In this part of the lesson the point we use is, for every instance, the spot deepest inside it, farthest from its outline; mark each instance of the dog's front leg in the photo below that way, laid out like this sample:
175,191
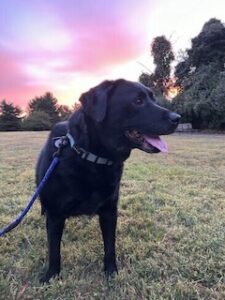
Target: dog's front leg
108,221
54,228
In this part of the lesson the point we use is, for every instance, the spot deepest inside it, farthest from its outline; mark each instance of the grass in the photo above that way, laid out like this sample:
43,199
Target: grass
171,229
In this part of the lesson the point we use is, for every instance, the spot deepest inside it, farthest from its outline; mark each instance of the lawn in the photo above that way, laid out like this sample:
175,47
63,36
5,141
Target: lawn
171,229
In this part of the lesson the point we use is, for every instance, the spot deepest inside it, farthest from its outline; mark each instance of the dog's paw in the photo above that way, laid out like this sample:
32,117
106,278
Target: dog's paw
47,276
111,271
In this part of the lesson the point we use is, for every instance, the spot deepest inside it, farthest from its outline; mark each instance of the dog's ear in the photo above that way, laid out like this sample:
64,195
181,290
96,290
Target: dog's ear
95,101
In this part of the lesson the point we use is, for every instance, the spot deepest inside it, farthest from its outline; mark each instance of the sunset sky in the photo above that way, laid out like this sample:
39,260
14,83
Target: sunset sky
68,46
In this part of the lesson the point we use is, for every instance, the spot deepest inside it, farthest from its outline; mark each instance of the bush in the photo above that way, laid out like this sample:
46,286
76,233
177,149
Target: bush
203,100
38,120
164,102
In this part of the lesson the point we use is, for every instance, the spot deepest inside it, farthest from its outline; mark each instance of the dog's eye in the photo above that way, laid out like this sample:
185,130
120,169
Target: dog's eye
139,101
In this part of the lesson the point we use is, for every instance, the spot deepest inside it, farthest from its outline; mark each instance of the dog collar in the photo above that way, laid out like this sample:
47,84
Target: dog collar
81,152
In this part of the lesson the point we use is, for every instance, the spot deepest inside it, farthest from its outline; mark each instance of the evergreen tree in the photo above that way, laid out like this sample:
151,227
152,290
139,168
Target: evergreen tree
46,103
9,116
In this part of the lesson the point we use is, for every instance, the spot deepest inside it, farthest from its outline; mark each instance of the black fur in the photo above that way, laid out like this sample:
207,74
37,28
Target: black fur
80,187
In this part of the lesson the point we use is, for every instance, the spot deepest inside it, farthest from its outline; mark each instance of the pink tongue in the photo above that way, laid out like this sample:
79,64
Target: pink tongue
157,143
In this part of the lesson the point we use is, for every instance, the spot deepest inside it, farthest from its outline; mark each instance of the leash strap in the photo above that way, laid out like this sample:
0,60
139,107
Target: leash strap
23,213
60,143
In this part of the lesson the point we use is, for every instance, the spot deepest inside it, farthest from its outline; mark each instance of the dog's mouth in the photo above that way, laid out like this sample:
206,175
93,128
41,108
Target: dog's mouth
145,142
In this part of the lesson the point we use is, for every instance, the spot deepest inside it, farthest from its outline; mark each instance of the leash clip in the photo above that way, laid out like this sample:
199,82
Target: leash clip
60,143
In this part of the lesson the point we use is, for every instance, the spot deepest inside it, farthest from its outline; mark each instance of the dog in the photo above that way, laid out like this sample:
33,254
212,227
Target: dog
114,118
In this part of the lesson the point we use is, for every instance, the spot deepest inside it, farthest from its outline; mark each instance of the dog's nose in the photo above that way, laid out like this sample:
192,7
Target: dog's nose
174,117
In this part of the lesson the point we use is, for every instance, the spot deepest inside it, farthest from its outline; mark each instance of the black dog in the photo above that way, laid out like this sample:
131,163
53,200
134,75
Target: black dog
115,117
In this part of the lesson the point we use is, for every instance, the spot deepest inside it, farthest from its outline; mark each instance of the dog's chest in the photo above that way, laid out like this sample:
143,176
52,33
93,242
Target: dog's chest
88,192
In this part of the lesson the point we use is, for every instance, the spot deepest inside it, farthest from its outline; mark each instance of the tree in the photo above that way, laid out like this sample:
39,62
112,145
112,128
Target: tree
203,101
209,46
162,53
64,112
46,103
9,116
162,101
206,48
148,80
201,74
76,106
217,97
37,120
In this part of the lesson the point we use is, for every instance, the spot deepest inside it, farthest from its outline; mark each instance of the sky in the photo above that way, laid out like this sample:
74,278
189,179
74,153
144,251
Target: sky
69,46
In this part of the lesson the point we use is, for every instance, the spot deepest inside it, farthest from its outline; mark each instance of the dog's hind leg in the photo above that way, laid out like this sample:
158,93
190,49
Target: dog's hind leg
54,228
108,221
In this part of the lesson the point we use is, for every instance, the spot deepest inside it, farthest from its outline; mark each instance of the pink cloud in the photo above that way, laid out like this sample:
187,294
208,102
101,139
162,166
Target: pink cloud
14,81
100,48
11,73
42,45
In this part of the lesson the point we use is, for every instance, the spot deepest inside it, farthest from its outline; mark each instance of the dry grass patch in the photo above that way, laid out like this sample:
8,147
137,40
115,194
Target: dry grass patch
171,229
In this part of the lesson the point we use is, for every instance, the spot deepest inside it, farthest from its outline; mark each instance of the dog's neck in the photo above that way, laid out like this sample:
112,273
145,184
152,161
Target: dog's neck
86,134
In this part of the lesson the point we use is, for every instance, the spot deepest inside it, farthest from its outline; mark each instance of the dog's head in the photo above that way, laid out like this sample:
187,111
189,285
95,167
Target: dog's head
126,116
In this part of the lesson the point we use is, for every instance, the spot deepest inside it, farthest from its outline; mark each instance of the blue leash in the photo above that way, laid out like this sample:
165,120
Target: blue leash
23,213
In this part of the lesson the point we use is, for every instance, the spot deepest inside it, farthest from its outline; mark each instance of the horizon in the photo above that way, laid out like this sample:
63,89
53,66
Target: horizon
67,47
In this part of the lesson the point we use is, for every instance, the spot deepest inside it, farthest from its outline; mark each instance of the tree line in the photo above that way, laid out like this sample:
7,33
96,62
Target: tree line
198,80
41,114
199,77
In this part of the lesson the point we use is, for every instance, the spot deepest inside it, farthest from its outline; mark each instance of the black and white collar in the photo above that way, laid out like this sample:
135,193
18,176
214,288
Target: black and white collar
81,152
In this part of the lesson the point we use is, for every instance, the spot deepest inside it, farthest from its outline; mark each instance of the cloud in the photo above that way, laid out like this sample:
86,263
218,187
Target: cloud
45,44
14,83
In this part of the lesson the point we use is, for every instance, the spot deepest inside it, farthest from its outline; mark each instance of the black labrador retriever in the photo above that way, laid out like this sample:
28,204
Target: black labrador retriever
115,117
